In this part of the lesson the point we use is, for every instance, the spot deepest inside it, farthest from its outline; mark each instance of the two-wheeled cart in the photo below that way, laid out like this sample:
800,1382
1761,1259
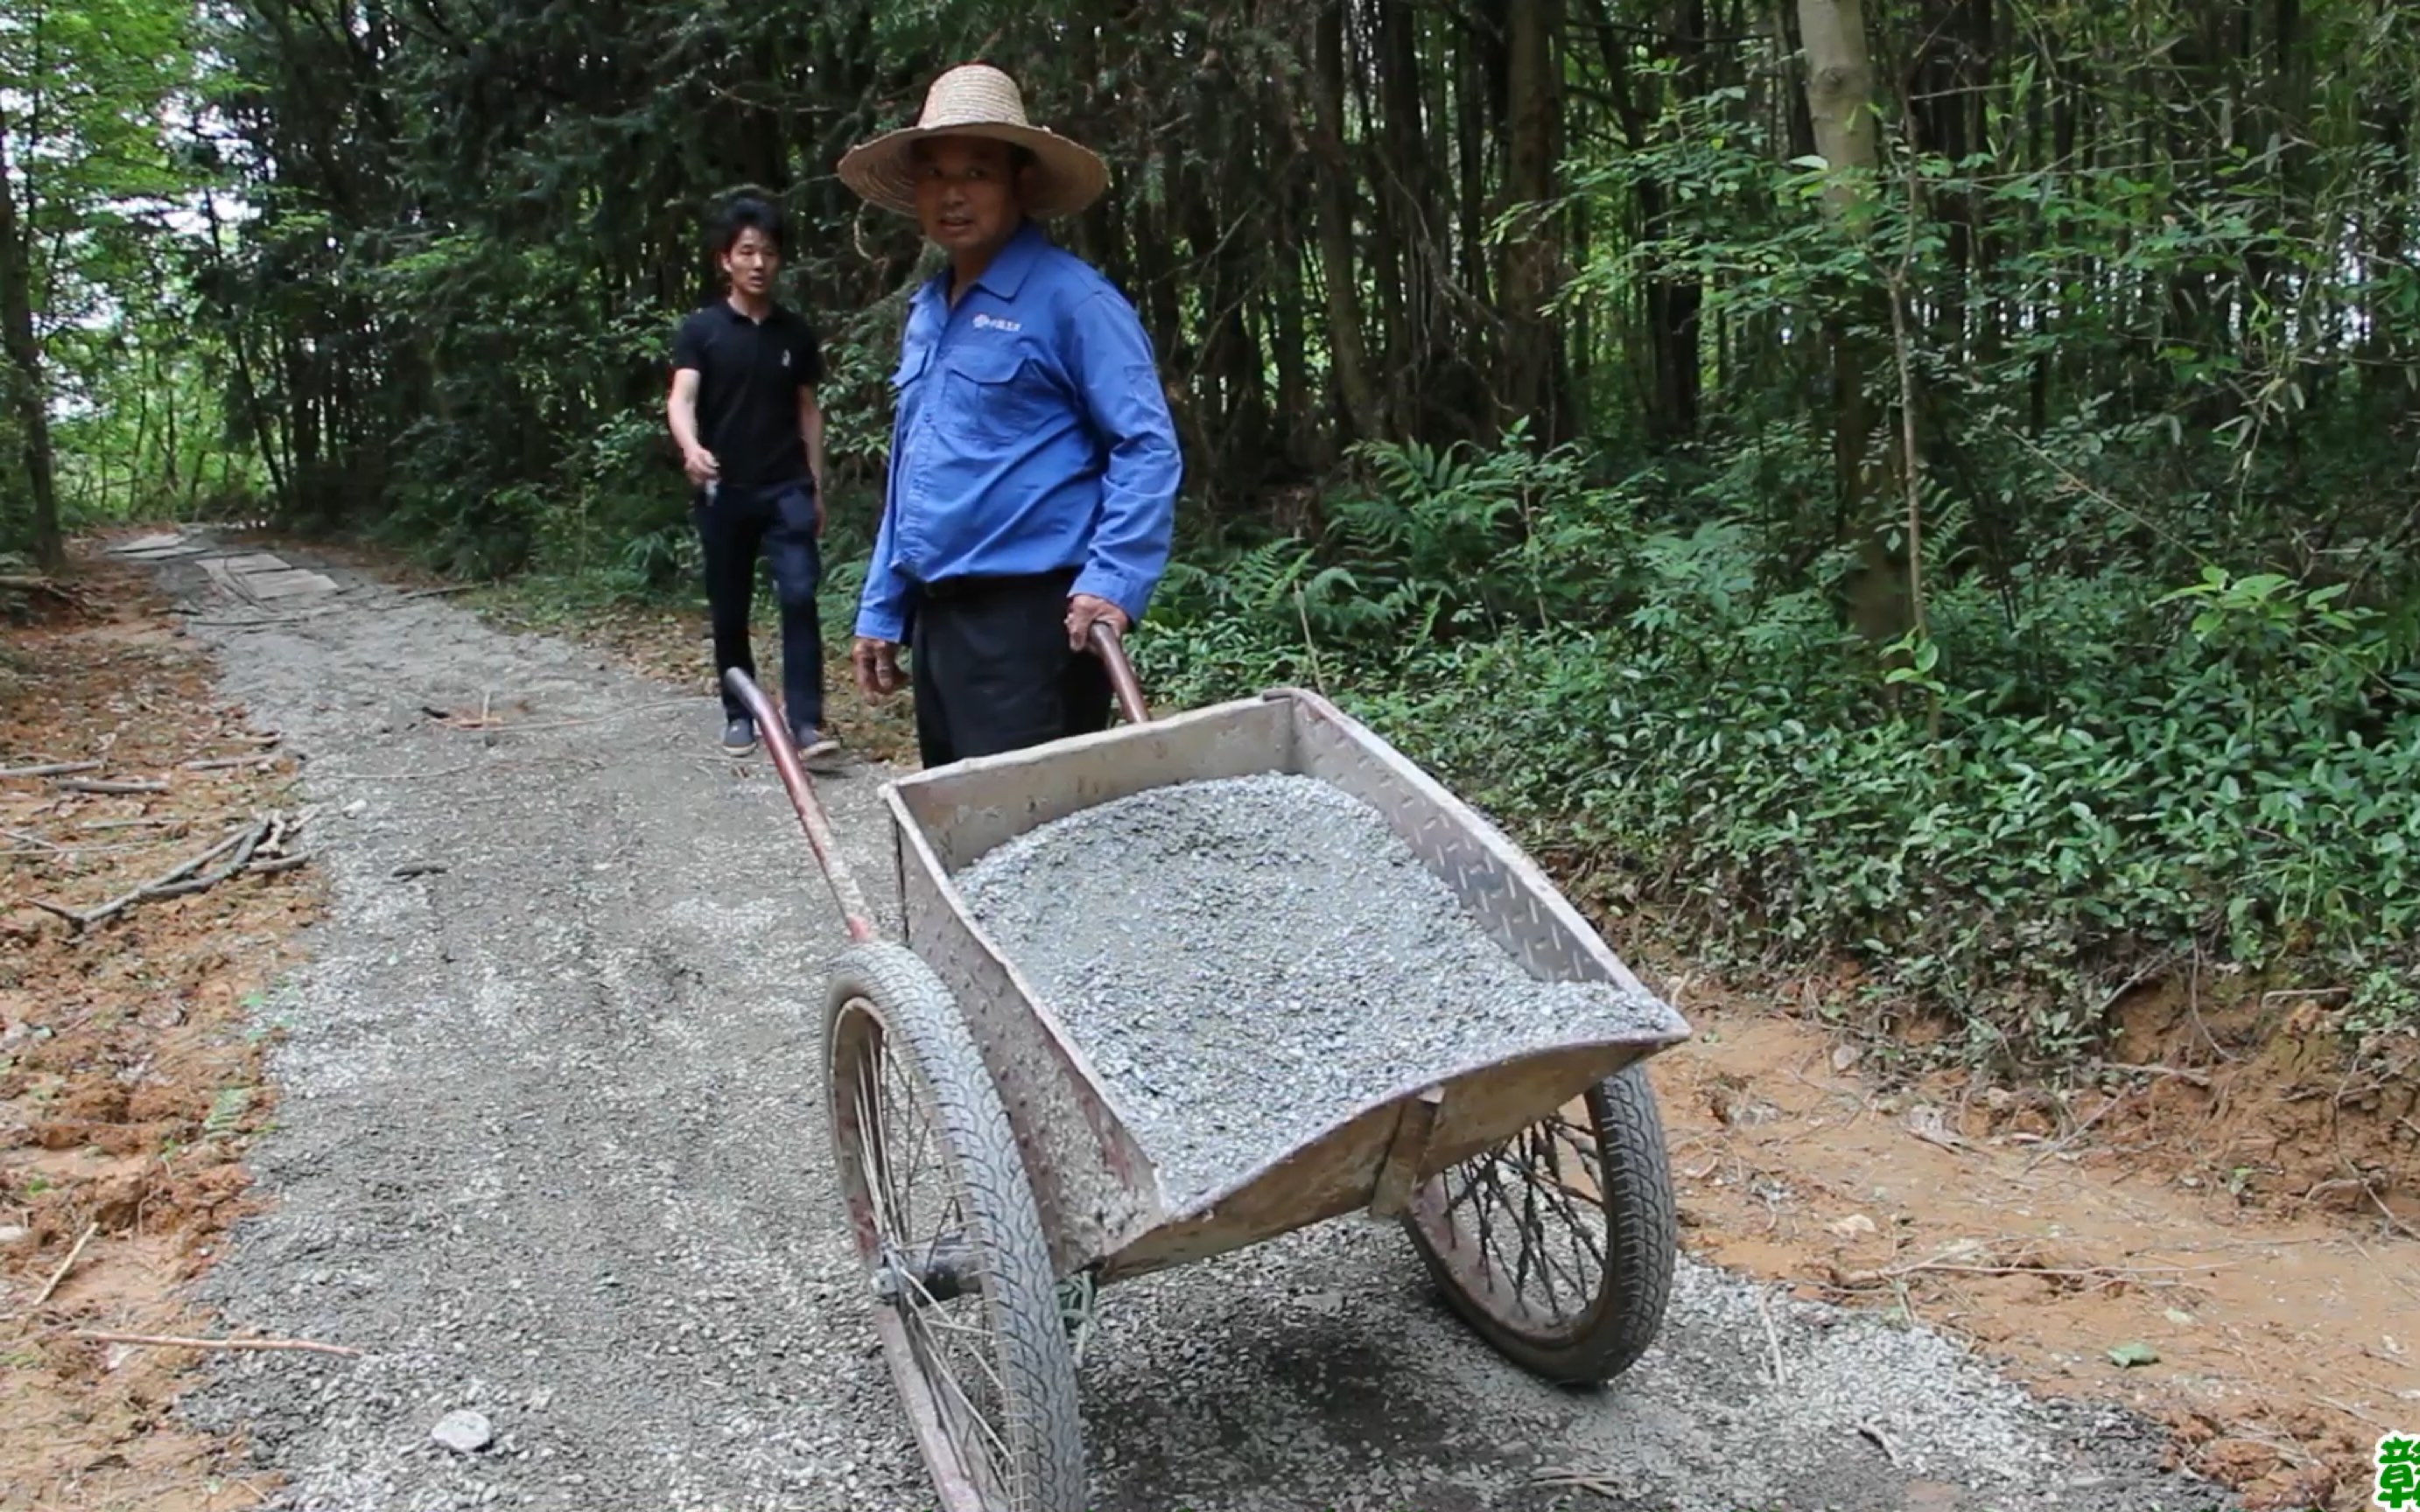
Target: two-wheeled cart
991,1184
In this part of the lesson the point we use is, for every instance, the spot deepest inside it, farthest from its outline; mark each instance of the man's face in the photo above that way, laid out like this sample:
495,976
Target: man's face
752,262
966,192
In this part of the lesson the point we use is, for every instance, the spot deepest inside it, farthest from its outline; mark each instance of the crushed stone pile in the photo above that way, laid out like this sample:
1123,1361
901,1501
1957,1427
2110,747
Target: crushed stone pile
1248,961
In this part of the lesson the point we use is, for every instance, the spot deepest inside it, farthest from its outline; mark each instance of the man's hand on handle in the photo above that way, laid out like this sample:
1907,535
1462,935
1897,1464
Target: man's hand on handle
877,661
701,466
877,666
1082,610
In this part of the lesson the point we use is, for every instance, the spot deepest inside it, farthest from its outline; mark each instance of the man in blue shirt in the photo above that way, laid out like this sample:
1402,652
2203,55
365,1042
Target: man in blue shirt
1034,466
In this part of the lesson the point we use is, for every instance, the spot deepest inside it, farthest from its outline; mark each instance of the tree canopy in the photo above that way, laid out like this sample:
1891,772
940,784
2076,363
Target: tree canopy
1927,478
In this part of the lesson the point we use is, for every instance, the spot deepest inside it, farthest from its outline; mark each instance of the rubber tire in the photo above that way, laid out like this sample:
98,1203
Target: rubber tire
1642,1248
1037,1370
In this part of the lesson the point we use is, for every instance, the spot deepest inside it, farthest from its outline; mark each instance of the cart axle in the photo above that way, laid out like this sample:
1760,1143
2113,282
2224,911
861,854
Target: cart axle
947,1269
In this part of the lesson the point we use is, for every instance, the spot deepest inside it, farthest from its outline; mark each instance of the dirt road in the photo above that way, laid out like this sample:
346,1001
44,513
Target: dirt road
550,1149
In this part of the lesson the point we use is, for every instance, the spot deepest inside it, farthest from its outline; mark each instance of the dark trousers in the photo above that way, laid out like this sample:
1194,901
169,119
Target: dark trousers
781,522
991,672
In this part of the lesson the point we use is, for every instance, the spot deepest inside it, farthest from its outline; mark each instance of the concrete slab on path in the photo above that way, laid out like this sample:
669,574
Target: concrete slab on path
161,546
265,577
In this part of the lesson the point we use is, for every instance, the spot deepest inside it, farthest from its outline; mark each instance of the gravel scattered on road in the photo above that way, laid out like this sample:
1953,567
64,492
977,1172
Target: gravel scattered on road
550,1148
1251,961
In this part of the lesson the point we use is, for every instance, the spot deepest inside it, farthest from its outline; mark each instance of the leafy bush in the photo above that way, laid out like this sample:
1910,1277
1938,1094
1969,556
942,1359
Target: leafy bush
2053,790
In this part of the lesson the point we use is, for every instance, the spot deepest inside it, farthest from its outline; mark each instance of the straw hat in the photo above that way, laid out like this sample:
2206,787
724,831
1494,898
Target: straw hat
977,100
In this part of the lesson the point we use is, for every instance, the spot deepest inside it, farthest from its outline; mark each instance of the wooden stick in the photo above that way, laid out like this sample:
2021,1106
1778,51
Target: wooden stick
251,842
73,854
284,863
171,1341
33,839
2348,1406
86,784
2405,1229
2109,1272
179,872
2200,1078
1602,1482
2078,1132
65,1266
1881,1441
1772,1340
52,769
221,763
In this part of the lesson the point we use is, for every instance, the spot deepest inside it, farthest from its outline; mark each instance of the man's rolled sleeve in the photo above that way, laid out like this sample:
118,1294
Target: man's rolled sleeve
1123,398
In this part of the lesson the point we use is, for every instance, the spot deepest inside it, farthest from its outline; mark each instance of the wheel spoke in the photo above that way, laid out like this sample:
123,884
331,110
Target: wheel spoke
1539,1252
1578,1230
915,1198
1529,1228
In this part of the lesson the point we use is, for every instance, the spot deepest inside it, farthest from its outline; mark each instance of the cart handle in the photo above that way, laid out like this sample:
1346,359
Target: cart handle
816,822
1111,647
855,915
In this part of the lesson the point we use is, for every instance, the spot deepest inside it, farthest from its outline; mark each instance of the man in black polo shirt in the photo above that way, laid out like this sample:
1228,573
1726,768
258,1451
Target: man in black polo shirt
752,439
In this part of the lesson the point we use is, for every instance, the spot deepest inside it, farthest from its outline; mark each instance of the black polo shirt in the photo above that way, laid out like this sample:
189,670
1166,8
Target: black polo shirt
749,378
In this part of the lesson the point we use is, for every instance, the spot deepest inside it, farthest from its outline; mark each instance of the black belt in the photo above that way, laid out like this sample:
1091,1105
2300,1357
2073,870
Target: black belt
951,590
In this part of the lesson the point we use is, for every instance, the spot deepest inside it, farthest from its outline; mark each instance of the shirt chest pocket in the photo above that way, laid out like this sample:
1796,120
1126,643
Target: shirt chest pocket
997,393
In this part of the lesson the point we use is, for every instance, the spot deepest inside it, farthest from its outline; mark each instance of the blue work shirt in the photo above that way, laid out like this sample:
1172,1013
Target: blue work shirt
1031,435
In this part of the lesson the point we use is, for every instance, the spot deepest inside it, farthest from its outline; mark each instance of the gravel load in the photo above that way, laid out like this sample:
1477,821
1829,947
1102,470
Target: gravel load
1250,961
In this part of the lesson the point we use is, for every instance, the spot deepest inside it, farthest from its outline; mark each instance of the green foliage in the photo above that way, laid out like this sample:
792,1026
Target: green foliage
2124,323
90,179
2118,773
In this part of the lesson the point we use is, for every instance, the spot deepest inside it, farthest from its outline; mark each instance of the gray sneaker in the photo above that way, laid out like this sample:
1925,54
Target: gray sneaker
740,736
817,751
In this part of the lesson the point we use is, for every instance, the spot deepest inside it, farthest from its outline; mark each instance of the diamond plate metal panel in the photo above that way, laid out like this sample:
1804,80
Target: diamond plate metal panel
1511,899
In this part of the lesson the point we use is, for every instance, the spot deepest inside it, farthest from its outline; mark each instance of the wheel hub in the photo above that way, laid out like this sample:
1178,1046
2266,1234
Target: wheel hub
942,1271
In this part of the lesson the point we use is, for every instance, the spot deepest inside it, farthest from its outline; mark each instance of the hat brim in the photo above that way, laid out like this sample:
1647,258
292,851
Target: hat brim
1067,177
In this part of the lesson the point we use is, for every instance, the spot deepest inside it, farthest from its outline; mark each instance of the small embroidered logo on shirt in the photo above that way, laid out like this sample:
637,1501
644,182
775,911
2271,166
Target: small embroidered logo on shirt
993,322
785,359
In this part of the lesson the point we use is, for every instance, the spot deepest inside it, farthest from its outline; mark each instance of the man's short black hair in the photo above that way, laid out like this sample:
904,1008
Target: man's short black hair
745,213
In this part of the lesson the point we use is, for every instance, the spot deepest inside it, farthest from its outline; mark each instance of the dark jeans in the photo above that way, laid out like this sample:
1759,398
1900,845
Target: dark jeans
990,669
780,521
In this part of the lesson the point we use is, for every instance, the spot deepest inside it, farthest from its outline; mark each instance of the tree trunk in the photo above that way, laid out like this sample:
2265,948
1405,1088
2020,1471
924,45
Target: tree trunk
1839,94
28,395
1533,383
1674,300
1416,346
1349,356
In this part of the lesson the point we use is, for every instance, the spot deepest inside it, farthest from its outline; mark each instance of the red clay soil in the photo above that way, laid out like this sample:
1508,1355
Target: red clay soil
2243,1205
130,1082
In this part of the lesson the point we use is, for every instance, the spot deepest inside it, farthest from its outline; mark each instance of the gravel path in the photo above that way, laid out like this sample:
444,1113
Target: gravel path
550,1148
1251,962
